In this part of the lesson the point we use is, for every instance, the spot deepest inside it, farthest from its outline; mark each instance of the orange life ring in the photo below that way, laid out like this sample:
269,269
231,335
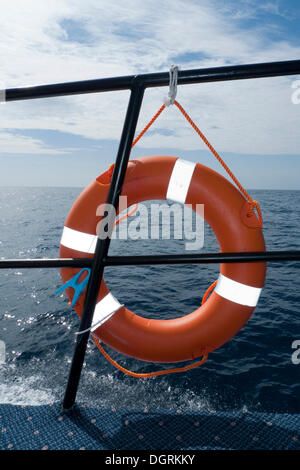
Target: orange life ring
239,285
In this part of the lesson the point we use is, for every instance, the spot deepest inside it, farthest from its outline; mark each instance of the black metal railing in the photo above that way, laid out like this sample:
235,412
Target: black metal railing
137,85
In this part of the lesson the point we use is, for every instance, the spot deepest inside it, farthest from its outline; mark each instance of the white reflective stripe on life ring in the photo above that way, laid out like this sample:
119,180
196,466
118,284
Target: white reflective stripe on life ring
79,241
237,292
104,310
180,180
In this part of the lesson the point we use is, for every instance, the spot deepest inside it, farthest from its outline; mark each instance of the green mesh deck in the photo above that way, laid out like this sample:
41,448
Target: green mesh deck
46,427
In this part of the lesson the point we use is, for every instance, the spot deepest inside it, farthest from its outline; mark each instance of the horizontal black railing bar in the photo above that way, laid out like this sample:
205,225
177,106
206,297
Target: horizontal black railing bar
46,263
203,258
213,74
198,258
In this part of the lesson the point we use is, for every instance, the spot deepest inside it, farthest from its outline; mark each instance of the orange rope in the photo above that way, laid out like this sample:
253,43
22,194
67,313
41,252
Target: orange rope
208,291
128,214
149,374
254,204
149,125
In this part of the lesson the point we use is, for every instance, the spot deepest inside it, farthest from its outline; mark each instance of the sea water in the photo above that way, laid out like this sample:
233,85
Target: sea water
253,371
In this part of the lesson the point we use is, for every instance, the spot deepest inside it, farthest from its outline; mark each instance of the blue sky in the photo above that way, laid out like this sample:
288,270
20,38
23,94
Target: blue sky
69,141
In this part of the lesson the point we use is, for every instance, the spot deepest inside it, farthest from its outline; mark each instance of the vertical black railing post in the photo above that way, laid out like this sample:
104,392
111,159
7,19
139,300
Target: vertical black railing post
102,246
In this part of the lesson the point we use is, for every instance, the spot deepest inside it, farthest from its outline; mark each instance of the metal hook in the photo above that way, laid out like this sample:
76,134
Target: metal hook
173,73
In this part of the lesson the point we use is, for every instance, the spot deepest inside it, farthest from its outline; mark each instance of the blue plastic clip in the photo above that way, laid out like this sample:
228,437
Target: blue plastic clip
77,286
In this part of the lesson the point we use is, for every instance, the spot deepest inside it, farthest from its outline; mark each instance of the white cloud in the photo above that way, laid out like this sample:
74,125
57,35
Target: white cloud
12,142
72,40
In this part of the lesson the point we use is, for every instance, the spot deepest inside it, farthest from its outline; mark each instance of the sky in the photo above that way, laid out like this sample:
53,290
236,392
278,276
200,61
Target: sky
68,141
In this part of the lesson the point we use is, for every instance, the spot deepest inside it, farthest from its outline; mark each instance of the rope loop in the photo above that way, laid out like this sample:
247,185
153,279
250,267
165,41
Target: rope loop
149,374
